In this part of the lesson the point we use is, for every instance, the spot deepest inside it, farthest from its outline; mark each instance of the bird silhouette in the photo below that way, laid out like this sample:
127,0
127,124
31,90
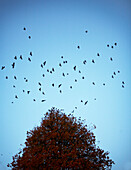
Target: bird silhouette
13,65
84,62
24,28
47,70
67,74
61,56
112,76
14,86
123,82
29,37
43,93
114,73
75,80
23,91
78,47
26,80
63,74
59,85
86,31
60,65
39,89
16,96
111,59
70,87
43,100
104,84
34,100
21,57
94,98
118,71
53,69
93,83
50,71
81,101
83,77
74,68
12,102
98,54
60,91
79,71
15,57
112,46
6,77
93,61
29,59
43,75
44,63
75,107
41,66
107,45
115,44
15,77
53,84
86,102
30,53
3,67
28,92
39,83
122,86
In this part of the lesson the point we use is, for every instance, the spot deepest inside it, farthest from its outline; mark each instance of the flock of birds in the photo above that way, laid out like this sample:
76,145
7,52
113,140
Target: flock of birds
52,70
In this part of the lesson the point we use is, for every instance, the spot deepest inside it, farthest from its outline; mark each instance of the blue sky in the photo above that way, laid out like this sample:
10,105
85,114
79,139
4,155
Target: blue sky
56,29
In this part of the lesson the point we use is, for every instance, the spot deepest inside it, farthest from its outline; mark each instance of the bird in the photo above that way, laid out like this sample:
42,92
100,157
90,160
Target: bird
75,80
24,28
123,82
51,72
67,73
41,66
74,68
122,86
60,65
114,73
23,91
47,70
15,57
59,85
43,75
63,74
83,77
61,56
43,100
53,84
34,100
84,62
118,71
93,61
70,87
81,101
94,98
66,61
26,80
29,37
15,77
79,71
44,63
60,91
112,46
13,86
75,107
104,84
28,92
53,69
3,67
12,102
29,59
39,89
39,83
13,65
112,76
78,47
107,45
86,102
93,83
16,96
21,57
6,77
111,59
30,53
115,44
43,93
86,31
98,54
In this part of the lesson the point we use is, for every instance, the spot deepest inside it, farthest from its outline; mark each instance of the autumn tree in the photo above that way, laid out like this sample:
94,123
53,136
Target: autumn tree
61,142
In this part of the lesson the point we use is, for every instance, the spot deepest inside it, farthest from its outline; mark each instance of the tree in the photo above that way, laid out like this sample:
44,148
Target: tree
61,142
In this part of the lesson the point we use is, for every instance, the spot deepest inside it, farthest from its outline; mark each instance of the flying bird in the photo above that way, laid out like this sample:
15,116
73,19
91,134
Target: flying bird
118,71
47,70
86,31
13,86
41,66
29,37
29,59
81,101
93,61
86,102
61,56
114,73
115,44
15,57
53,69
63,74
13,65
83,77
111,59
51,72
98,54
28,92
67,73
23,91
75,80
78,47
123,82
60,91
74,68
30,53
24,28
39,83
26,80
53,84
107,45
75,107
44,63
104,84
43,93
93,83
112,46
15,77
60,65
70,87
79,71
94,98
43,100
21,57
59,85
16,96
122,86
6,77
112,76
39,89
34,100
43,75
84,62
3,67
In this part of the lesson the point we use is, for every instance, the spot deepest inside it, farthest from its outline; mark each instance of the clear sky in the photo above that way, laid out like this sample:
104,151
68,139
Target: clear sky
56,29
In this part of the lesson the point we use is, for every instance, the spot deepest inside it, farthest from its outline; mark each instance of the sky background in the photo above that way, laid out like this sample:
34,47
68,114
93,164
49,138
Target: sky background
56,29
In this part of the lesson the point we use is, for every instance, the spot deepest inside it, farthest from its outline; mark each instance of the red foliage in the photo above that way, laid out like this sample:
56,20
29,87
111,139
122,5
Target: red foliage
60,142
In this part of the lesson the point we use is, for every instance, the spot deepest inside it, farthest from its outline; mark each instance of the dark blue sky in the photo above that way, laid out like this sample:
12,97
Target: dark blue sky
57,28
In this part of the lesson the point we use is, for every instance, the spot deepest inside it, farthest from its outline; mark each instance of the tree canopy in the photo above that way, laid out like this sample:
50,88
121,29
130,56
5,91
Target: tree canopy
61,142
